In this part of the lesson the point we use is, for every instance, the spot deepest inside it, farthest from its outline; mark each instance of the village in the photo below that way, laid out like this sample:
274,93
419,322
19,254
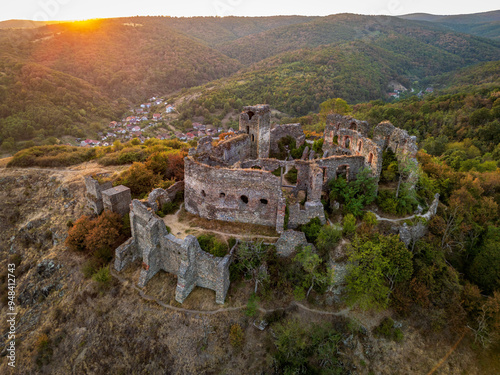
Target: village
150,120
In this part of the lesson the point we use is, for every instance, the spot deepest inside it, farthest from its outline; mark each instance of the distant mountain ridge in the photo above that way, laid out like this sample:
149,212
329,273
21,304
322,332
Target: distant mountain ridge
291,62
486,24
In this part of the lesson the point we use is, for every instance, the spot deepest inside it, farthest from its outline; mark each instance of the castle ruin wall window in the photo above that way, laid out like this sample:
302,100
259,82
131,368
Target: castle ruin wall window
244,199
264,201
250,114
203,194
370,158
360,144
222,195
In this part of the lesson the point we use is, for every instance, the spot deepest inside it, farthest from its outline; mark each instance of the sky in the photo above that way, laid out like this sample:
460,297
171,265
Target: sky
44,10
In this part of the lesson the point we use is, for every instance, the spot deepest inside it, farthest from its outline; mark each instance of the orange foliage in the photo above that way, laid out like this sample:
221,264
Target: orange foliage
90,235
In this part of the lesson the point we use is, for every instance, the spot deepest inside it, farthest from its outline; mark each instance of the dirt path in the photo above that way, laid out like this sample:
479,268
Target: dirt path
147,297
182,230
379,218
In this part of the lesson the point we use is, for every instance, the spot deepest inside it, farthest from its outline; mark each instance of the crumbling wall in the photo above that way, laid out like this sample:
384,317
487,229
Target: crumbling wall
94,193
234,149
281,131
158,197
402,144
239,195
160,250
117,199
288,242
299,216
332,166
256,122
204,145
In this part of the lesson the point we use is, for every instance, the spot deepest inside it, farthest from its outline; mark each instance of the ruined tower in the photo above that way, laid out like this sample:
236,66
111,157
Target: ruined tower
255,121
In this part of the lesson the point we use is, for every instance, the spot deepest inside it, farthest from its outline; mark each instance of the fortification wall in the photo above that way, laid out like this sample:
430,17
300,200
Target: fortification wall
160,250
94,193
281,131
239,195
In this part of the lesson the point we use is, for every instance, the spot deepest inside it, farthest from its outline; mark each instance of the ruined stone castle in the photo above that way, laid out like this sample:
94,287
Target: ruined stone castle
233,181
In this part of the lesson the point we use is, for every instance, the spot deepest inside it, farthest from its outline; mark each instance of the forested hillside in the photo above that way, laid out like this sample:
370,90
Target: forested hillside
485,24
293,63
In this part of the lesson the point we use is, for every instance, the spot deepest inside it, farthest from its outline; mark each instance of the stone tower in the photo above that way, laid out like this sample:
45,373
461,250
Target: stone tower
255,121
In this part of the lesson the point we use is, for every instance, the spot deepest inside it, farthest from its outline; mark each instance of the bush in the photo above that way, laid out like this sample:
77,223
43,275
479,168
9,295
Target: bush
252,305
386,329
312,229
210,244
103,277
356,194
306,349
327,239
349,224
236,336
89,269
291,176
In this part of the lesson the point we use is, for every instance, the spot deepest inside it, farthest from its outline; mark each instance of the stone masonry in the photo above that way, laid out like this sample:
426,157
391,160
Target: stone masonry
103,196
161,251
94,193
117,199
231,181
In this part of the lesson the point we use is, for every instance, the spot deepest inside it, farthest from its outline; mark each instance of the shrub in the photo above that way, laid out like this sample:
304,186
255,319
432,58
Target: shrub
252,305
44,350
291,176
77,234
349,224
139,179
236,336
312,229
388,330
327,239
103,277
89,269
210,244
356,194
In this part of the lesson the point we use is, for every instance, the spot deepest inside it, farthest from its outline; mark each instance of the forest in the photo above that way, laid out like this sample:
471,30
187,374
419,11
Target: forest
71,79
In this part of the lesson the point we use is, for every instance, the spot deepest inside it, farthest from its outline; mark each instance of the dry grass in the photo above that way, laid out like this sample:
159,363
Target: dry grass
241,229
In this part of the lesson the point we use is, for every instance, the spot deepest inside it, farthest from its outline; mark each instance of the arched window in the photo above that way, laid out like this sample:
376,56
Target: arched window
347,142
370,158
250,114
222,195
244,199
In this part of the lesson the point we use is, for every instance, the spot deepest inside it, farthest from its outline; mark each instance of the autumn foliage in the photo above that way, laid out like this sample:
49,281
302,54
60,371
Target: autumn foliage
91,236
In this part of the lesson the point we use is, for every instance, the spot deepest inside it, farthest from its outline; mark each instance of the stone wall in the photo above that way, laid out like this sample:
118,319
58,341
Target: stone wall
239,195
117,199
158,197
256,122
288,242
281,131
160,250
299,216
94,193
402,144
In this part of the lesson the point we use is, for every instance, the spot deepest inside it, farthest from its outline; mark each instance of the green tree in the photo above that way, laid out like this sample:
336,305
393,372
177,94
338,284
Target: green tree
311,264
376,265
356,194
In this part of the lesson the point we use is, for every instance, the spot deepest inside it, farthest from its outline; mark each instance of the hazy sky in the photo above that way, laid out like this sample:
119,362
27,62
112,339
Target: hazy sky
85,9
